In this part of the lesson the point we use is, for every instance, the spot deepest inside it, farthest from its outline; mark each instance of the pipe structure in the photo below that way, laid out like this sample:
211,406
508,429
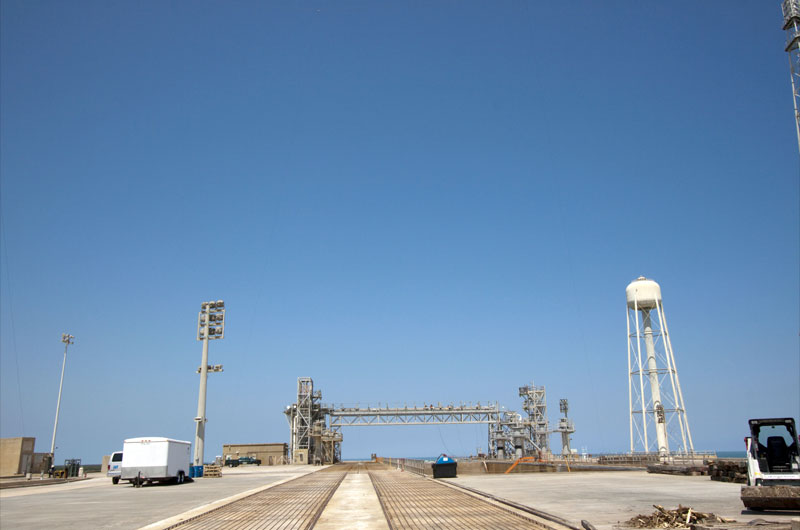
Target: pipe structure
655,390
200,419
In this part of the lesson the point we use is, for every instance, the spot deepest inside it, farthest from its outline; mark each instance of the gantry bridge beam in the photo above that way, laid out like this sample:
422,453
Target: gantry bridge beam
428,415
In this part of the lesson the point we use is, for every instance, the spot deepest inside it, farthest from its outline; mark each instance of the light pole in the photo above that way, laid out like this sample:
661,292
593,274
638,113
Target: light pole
67,339
210,326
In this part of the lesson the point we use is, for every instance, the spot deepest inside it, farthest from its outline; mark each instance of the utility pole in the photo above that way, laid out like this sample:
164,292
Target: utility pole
791,25
210,326
67,339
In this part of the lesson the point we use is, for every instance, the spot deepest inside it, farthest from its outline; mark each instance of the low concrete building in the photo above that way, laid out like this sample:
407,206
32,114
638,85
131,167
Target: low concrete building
40,462
16,456
269,454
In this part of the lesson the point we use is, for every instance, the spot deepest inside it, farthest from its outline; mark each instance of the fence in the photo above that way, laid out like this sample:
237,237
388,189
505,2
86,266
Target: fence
420,467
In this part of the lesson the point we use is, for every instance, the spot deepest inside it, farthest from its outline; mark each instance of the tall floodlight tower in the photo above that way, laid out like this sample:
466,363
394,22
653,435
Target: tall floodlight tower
654,391
210,326
67,339
791,25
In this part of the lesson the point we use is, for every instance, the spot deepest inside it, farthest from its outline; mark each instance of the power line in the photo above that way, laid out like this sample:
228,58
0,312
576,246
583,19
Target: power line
11,317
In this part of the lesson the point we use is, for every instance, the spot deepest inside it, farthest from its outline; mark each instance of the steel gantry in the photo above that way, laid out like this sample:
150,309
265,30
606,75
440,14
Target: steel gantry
424,415
316,428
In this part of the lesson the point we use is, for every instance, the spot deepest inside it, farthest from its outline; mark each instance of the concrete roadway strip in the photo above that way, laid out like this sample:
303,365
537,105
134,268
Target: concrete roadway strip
551,522
200,510
91,482
354,505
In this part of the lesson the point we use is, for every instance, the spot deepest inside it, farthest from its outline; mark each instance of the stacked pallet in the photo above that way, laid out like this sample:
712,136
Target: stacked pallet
728,470
212,471
675,469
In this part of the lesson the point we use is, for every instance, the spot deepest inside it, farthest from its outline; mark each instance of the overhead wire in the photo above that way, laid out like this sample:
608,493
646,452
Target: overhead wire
560,201
11,318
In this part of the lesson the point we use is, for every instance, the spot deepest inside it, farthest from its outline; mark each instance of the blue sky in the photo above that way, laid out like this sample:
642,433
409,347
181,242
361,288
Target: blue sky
407,201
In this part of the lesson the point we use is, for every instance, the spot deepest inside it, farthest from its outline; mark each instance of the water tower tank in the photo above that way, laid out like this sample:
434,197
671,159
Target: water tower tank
644,292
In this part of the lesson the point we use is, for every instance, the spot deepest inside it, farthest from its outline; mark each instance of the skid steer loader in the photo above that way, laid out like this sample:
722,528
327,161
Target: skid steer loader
773,466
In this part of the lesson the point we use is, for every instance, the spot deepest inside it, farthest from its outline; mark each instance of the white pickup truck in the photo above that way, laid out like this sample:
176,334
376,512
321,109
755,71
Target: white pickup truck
148,460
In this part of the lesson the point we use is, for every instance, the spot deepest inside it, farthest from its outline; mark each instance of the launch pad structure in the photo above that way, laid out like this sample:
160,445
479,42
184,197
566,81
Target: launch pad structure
316,428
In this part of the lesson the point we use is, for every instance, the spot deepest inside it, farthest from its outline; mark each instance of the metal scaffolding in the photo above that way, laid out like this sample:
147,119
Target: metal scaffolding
535,404
791,25
431,414
316,428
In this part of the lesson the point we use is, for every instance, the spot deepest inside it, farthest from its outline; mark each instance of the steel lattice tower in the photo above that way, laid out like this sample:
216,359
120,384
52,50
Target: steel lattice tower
535,404
301,433
654,390
791,25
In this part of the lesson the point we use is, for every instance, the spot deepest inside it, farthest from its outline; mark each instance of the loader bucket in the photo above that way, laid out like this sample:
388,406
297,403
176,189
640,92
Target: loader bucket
771,497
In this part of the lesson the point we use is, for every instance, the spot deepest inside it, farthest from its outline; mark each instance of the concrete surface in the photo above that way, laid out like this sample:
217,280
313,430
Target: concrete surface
97,503
607,498
355,505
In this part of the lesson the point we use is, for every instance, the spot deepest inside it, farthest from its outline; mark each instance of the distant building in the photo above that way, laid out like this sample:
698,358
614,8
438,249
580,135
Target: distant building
16,456
269,454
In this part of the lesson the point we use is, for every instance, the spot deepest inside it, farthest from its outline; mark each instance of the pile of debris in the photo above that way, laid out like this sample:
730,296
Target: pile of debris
681,517
728,470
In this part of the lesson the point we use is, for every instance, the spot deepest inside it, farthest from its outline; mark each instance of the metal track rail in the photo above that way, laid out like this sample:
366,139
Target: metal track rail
528,509
411,502
296,504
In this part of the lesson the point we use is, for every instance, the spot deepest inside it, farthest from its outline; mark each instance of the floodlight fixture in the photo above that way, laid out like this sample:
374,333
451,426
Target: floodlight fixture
210,326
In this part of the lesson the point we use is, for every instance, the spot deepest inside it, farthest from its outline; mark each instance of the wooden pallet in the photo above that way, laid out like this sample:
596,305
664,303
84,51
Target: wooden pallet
212,471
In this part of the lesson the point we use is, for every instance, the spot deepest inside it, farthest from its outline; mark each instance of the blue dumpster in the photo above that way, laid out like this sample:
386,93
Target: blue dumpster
195,471
444,467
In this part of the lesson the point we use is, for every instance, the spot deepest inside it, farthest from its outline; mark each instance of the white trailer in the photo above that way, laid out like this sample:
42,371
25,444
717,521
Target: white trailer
155,459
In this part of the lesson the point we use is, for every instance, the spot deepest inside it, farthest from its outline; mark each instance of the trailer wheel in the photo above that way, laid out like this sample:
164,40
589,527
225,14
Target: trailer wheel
115,480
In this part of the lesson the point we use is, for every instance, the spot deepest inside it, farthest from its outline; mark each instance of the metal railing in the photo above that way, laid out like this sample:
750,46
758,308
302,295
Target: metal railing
420,467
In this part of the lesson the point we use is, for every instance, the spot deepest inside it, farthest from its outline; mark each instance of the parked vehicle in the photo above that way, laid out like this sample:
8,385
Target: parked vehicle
249,460
114,466
147,460
773,465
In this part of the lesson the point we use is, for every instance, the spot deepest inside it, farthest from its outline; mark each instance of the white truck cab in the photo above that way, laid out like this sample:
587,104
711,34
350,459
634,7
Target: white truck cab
114,466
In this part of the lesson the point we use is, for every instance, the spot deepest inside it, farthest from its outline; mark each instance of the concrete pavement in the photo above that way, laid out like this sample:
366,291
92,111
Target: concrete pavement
97,503
354,506
610,497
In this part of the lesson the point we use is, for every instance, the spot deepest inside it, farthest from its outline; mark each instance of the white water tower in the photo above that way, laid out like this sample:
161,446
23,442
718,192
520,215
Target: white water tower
658,421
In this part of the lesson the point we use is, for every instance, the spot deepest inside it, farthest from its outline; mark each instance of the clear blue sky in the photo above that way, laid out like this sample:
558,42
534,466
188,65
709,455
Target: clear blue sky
406,201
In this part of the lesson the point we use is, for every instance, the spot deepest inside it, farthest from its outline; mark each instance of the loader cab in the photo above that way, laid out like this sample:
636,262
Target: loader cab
774,445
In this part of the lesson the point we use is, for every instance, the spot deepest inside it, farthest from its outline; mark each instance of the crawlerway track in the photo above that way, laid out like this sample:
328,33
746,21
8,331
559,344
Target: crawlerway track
412,502
409,502
296,504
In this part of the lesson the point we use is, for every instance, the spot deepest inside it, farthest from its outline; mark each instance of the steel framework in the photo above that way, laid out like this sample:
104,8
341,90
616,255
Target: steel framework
654,391
565,427
316,428
791,25
449,414
303,418
535,404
